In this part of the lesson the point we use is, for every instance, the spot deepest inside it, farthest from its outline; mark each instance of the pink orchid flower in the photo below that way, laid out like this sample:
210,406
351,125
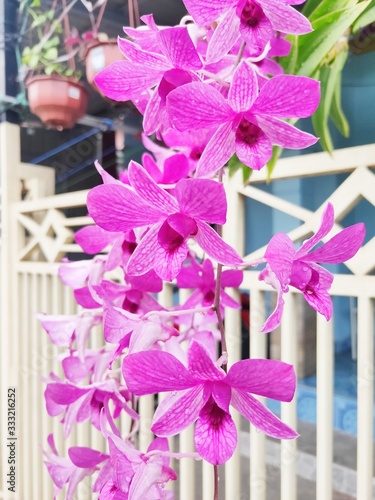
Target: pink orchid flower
254,21
173,65
248,123
82,462
132,475
299,268
203,392
172,220
64,329
82,403
202,279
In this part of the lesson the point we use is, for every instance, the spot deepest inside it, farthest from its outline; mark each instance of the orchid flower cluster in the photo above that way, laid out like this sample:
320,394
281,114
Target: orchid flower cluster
207,88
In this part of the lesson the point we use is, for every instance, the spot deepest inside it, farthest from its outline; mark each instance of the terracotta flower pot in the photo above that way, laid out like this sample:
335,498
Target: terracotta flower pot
58,102
98,55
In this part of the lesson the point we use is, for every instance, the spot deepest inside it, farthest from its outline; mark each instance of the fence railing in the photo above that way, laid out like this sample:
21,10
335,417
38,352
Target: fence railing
38,231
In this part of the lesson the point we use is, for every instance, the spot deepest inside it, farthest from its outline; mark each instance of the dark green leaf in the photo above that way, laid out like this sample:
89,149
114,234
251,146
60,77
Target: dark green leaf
309,7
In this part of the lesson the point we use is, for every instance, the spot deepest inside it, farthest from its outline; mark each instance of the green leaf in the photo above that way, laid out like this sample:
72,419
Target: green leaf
328,78
33,61
52,42
246,173
234,164
289,62
309,7
320,117
336,112
367,17
328,6
313,47
51,54
276,152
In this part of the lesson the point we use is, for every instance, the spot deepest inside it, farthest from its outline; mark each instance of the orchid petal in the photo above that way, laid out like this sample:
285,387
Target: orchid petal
224,37
178,47
64,394
215,247
147,475
264,377
92,239
202,199
201,366
256,153
288,96
150,372
283,134
320,300
259,35
117,323
244,88
326,224
260,416
197,106
167,264
178,410
125,80
176,167
231,278
141,57
215,434
151,117
274,320
286,19
218,150
207,11
118,208
279,255
227,301
149,191
342,247
85,458
143,258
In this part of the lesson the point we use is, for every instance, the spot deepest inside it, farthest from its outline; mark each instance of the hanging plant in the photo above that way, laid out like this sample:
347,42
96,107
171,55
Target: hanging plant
49,71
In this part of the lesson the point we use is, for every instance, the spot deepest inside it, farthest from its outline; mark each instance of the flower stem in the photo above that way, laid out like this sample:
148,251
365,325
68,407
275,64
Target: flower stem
220,321
216,483
239,56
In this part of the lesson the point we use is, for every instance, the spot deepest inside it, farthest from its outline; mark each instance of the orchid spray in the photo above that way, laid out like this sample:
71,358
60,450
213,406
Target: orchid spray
207,89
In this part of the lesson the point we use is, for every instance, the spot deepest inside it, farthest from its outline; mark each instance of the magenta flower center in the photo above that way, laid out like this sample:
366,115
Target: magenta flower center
195,154
171,80
251,14
175,230
248,133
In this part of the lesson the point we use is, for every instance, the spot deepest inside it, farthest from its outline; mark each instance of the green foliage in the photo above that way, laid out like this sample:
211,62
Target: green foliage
47,55
322,54
235,164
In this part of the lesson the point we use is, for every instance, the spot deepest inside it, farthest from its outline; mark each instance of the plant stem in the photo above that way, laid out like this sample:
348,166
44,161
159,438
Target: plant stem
239,56
216,483
220,321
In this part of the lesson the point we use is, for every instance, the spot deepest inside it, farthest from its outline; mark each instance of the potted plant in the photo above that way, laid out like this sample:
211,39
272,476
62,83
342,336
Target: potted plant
54,91
99,50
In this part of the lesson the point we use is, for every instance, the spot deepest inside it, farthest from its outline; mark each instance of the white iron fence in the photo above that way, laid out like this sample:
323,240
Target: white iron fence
38,230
